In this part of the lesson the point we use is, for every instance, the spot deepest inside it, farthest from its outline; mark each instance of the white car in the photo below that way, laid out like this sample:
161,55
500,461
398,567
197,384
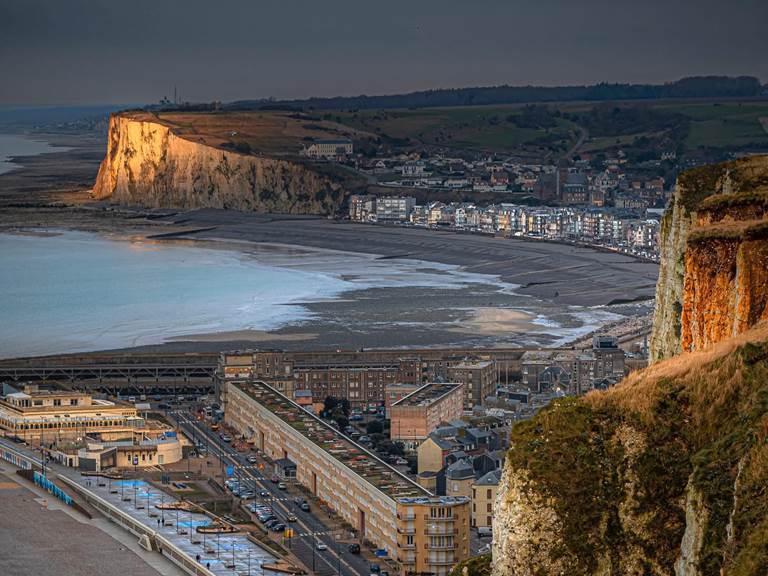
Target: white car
320,546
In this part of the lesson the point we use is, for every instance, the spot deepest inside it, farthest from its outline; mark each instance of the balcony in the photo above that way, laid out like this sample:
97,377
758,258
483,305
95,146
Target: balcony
443,547
410,530
450,562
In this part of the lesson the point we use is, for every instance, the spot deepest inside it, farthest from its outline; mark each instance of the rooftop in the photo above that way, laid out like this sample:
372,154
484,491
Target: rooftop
428,394
354,456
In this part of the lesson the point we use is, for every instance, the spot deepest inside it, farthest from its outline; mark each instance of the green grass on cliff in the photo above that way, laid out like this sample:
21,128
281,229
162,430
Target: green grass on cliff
615,466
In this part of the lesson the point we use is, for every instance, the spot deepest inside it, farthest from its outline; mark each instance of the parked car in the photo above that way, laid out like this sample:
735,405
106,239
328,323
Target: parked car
354,548
298,500
484,531
304,506
375,568
226,438
291,518
282,486
253,459
320,546
275,479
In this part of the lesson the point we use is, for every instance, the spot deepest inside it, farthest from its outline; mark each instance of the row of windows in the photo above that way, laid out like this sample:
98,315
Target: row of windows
61,424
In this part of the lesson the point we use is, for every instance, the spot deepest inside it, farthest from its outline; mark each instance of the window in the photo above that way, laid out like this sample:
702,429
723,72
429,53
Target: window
57,401
73,401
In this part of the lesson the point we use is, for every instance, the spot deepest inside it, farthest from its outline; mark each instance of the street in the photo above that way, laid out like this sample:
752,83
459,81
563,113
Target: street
309,528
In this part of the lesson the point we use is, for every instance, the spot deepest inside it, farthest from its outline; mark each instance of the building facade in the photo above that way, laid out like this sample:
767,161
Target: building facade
479,379
41,415
415,416
376,499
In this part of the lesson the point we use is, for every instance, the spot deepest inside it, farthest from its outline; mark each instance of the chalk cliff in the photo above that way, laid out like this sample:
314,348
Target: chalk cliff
713,279
666,473
148,164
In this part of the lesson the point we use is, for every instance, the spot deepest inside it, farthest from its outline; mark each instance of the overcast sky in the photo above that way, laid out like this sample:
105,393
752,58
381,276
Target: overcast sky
134,51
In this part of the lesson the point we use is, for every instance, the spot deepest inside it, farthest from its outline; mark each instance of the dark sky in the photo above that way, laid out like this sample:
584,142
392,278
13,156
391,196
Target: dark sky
134,51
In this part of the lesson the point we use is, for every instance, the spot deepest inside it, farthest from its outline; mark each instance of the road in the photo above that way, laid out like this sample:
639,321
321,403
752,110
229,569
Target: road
308,527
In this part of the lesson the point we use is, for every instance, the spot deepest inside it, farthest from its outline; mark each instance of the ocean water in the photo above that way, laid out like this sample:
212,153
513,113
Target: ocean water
73,291
14,145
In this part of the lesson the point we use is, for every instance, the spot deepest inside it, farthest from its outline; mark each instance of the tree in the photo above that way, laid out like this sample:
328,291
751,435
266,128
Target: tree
374,427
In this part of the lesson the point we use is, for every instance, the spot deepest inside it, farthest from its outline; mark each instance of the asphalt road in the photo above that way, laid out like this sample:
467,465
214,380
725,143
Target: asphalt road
335,560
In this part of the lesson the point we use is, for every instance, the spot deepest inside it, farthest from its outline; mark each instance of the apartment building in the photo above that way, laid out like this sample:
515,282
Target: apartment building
362,208
433,534
415,416
484,491
479,379
44,415
384,506
329,148
394,208
395,392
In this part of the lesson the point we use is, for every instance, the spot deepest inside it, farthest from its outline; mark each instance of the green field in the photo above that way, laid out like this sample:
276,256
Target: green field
478,127
492,128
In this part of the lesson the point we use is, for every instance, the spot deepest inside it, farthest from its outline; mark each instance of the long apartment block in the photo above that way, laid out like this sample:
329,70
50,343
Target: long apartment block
383,505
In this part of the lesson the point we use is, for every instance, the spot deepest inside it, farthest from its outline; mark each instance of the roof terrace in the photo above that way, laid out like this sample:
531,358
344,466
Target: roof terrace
428,394
354,456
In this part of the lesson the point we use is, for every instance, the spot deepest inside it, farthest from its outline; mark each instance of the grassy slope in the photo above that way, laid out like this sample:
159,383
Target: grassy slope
474,127
701,416
724,125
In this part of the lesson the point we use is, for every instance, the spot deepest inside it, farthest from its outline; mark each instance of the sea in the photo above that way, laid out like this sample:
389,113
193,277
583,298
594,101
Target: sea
69,291
13,145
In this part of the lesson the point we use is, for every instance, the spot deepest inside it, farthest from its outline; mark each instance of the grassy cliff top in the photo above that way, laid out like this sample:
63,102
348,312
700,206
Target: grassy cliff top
616,466
276,133
744,176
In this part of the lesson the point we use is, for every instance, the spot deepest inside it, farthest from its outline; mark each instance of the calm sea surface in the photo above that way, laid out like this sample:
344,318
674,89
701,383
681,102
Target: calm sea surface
77,291
13,145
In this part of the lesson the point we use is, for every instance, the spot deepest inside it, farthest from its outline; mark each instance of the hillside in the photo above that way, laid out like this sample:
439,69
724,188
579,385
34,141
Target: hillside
665,473
237,161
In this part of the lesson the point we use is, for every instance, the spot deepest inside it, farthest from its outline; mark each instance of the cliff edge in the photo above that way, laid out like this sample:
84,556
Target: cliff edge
665,473
148,163
713,278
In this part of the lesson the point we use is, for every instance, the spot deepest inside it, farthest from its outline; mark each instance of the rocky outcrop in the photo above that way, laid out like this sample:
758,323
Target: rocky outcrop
712,279
664,474
147,164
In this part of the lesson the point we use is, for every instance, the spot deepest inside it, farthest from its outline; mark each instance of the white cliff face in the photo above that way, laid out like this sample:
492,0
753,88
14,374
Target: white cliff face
675,227
525,530
148,165
693,537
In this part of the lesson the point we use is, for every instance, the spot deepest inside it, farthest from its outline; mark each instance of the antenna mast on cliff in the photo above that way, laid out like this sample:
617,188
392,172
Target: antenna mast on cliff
175,98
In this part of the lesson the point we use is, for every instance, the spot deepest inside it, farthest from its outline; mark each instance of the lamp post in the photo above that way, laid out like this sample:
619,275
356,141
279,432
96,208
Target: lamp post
218,544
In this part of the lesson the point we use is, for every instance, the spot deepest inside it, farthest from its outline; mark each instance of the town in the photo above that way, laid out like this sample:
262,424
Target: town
591,201
353,462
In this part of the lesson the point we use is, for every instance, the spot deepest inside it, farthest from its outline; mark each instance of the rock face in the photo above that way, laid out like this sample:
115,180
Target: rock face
714,242
148,165
665,473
